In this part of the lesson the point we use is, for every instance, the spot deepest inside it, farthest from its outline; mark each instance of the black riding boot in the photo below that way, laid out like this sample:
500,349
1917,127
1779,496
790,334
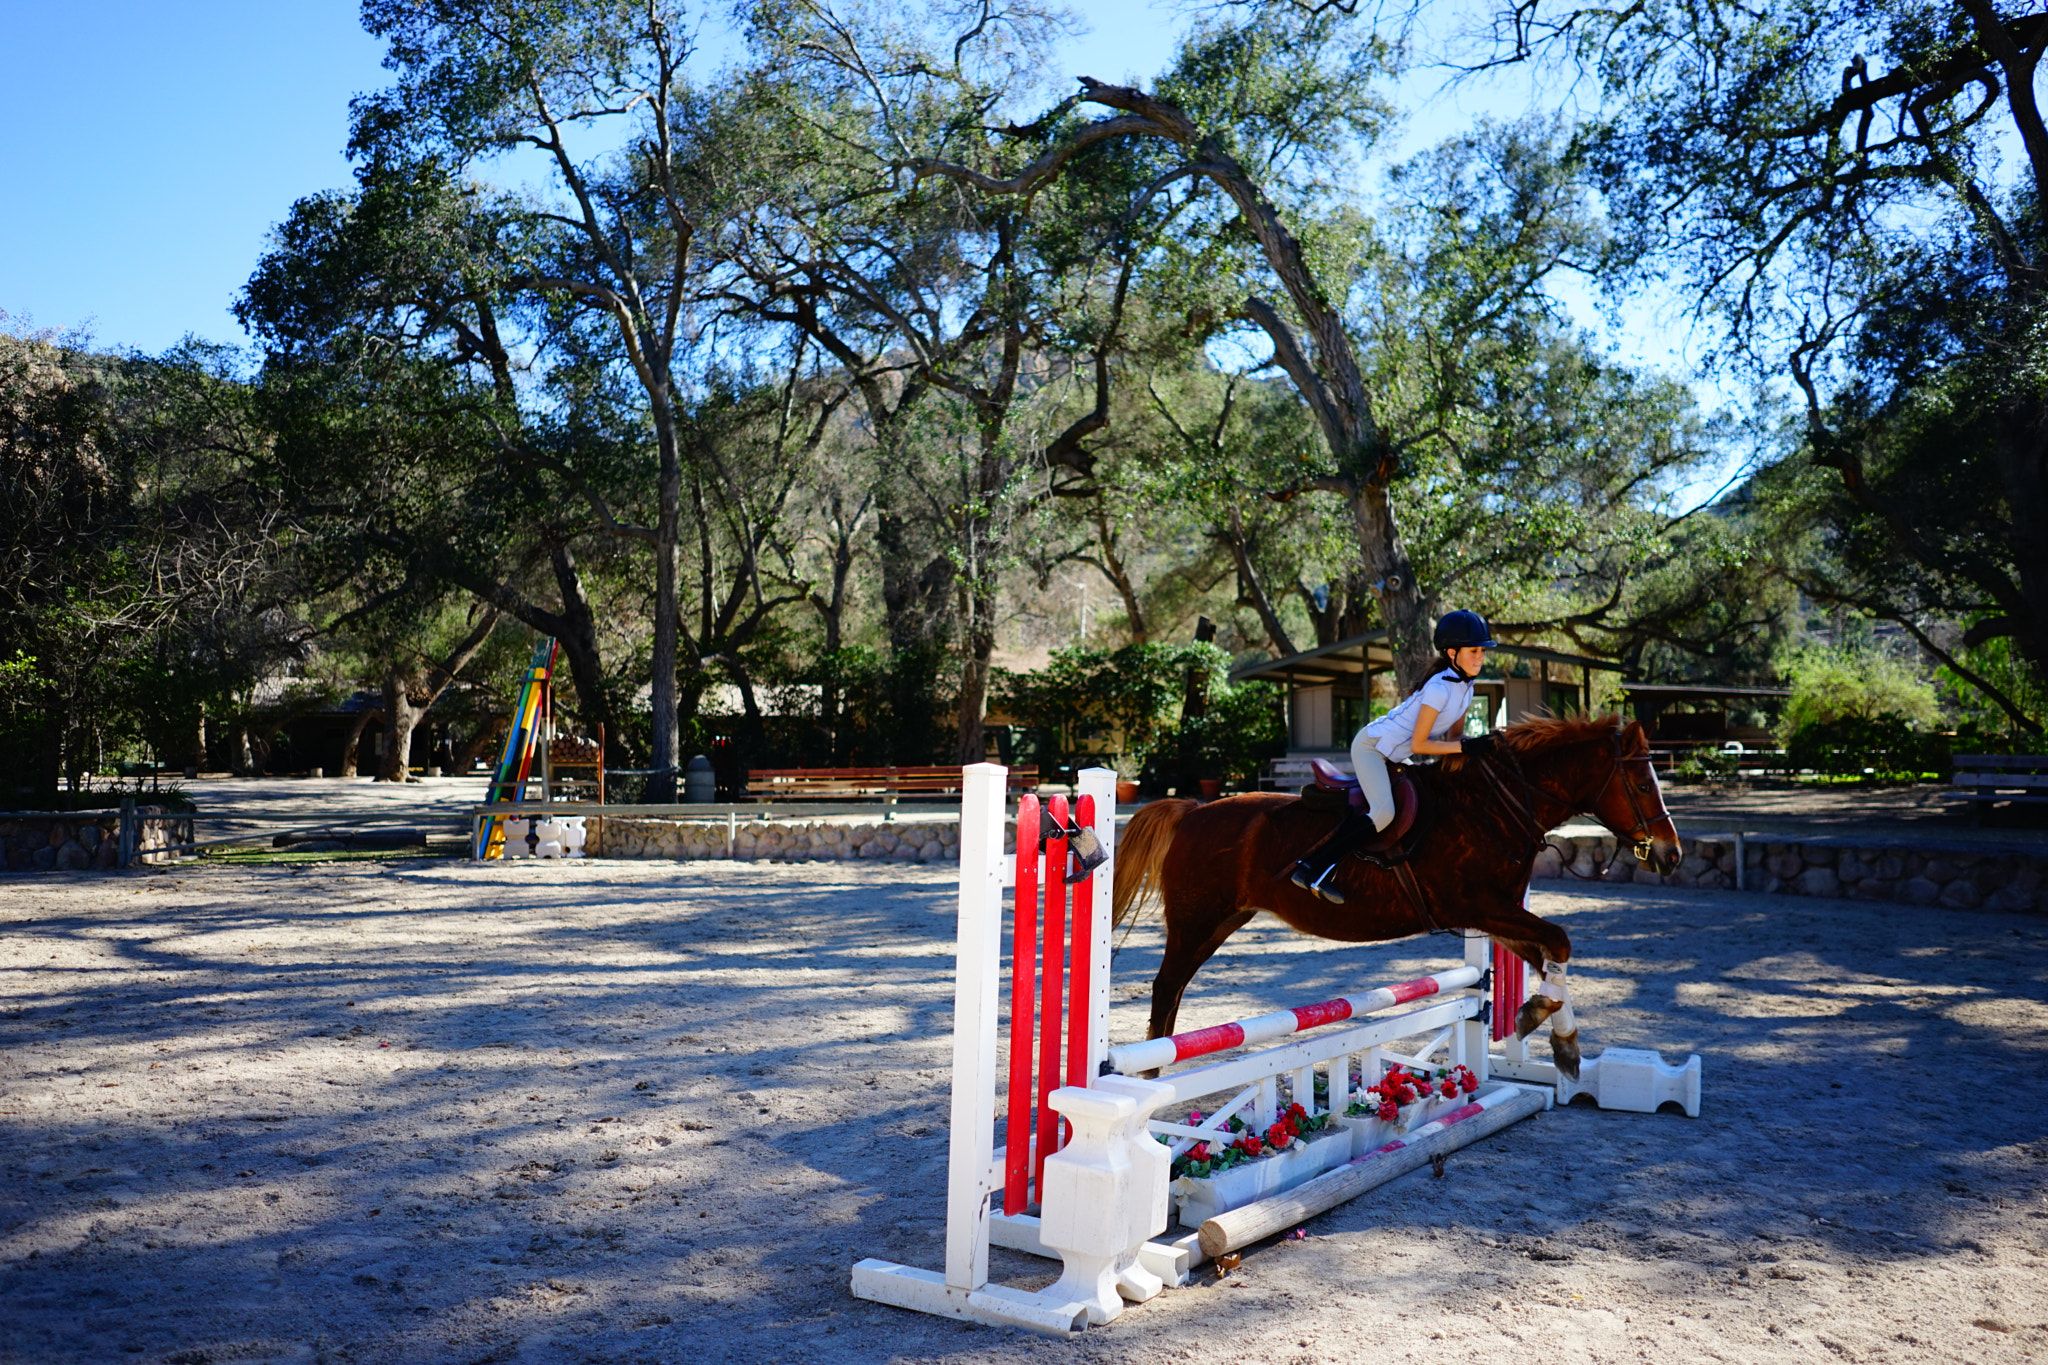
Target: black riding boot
1316,870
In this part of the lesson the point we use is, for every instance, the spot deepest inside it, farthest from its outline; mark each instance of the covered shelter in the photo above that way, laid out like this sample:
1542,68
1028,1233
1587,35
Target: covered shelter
1704,714
1328,688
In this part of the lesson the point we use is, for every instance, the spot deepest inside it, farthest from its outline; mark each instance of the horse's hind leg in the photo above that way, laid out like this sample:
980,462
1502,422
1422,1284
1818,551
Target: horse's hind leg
1191,940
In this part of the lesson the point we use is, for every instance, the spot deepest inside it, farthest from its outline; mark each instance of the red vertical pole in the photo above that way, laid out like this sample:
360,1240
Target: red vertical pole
1081,974
1507,991
1023,957
1052,971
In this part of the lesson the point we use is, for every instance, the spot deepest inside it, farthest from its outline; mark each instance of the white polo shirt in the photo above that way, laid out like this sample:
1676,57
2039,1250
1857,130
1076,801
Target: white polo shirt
1394,733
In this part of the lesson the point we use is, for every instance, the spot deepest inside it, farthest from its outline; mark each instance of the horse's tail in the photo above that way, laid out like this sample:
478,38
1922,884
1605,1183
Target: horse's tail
1140,849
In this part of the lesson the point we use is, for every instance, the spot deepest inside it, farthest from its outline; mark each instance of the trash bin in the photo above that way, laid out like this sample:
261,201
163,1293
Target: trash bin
700,784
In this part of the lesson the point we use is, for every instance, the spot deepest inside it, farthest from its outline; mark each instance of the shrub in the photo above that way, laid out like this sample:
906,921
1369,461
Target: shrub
1886,747
1837,684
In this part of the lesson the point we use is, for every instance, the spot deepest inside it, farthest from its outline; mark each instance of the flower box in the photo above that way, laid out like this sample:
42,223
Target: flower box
1368,1133
1201,1198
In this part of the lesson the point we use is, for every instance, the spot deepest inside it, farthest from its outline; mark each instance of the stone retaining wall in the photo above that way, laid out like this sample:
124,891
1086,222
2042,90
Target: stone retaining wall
623,836
89,841
1962,878
1958,876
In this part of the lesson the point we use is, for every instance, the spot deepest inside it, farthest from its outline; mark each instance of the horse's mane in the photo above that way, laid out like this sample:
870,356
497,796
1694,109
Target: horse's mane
1548,732
1542,733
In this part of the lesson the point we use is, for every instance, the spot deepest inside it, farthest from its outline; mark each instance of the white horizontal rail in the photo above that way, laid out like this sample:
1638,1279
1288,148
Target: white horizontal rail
1133,1058
1241,1071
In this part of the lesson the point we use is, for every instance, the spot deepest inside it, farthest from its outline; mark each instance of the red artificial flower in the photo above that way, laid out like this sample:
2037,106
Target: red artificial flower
1199,1152
1388,1111
1449,1089
1470,1082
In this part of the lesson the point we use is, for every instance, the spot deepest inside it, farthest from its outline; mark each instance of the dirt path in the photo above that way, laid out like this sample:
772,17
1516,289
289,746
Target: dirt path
640,1112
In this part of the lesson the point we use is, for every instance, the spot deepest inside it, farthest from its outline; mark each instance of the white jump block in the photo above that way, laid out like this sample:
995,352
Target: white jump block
1636,1081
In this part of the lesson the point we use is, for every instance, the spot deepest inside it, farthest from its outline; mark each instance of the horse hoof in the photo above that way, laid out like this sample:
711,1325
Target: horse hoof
1530,1017
1564,1050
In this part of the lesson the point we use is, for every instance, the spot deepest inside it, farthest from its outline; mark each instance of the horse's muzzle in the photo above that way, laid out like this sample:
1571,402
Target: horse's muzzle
1660,855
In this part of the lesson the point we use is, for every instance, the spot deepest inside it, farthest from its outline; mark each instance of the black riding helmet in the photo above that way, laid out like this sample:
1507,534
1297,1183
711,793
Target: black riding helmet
1464,630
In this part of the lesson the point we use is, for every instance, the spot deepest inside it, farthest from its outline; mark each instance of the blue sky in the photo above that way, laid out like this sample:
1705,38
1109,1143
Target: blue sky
170,137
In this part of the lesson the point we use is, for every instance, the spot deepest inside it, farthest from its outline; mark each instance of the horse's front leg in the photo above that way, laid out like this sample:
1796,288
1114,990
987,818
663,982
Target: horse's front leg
1553,1002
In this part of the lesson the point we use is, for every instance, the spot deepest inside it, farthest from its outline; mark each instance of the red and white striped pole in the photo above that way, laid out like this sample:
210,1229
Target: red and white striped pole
1508,989
1023,958
1157,1052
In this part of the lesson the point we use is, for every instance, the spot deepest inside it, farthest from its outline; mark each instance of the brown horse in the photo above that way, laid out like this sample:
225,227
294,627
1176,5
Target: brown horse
1217,865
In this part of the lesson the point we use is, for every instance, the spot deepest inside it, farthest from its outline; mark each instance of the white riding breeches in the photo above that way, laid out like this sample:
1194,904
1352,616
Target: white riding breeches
1371,766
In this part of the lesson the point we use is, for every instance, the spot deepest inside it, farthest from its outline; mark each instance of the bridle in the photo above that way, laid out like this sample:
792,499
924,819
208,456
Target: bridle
1523,808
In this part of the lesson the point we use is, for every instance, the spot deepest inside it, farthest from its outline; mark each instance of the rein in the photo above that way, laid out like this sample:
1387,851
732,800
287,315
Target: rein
1524,809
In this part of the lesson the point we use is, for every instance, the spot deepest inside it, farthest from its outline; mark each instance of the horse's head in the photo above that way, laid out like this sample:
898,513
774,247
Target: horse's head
1601,766
1630,802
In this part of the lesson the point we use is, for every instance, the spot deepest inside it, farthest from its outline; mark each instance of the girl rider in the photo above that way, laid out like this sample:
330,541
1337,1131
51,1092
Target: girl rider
1429,722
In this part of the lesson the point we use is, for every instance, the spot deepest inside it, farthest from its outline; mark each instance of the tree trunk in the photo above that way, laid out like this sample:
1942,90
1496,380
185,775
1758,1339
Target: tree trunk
661,786
352,747
832,613
1113,568
1251,590
401,716
980,609
1194,704
480,743
576,631
1404,608
2023,463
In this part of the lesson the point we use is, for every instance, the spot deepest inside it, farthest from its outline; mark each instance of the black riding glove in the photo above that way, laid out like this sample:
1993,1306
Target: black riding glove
1477,746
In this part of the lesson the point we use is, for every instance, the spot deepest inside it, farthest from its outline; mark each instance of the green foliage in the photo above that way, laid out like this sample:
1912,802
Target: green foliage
1707,763
1992,729
1124,706
1854,191
857,706
1127,698
1859,711
1884,747
1830,685
1242,727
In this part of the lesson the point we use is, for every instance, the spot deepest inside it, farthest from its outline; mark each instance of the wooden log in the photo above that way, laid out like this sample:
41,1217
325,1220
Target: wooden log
1243,1226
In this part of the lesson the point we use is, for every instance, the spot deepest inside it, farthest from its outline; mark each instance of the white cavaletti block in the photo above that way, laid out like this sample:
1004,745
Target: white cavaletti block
1636,1081
1105,1195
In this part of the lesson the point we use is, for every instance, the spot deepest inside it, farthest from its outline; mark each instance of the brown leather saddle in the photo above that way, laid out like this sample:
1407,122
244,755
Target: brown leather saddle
1333,785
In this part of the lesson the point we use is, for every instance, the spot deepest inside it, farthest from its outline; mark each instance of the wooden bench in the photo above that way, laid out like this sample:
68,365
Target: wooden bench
2000,777
841,784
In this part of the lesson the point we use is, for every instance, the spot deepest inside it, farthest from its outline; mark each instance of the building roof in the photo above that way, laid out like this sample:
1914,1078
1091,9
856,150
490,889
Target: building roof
1699,691
1369,653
